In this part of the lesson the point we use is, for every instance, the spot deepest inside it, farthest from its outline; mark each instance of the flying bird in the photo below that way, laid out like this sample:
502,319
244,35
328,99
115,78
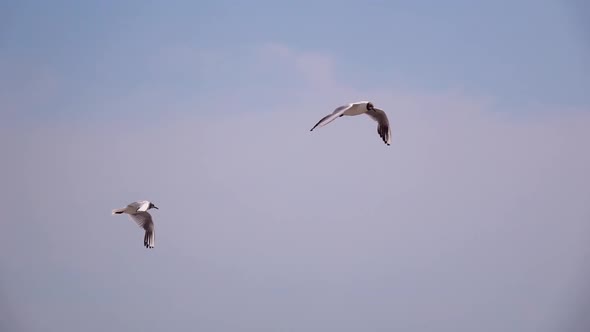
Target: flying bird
137,211
361,107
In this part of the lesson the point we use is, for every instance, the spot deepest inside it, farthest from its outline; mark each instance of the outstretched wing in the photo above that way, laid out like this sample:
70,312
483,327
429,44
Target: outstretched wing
149,239
144,220
383,128
331,117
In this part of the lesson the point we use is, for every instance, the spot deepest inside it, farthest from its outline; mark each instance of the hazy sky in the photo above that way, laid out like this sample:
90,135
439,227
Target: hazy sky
476,218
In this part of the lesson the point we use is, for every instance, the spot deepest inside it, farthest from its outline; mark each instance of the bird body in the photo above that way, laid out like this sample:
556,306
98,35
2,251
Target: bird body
137,211
358,108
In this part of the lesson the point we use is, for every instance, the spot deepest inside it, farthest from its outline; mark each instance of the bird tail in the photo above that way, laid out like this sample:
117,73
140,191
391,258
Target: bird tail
118,211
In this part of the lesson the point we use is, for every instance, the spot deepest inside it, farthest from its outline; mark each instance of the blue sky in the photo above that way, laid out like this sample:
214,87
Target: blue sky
520,53
474,219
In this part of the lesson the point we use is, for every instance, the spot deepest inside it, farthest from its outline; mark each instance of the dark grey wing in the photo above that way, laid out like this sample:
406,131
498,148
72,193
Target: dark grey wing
383,128
144,220
331,117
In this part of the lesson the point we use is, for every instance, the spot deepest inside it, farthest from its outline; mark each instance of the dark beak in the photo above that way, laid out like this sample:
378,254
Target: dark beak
155,207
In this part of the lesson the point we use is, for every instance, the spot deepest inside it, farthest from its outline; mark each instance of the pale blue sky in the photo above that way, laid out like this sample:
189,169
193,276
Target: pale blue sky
521,53
476,218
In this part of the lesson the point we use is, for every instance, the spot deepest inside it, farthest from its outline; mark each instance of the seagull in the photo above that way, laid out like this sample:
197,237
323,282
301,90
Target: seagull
137,211
361,107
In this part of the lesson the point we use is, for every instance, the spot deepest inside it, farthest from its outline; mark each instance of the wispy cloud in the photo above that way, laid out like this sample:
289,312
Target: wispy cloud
315,67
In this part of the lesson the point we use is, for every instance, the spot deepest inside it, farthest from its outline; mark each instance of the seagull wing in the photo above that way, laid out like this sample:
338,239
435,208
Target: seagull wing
383,128
134,205
144,206
144,220
331,117
130,208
